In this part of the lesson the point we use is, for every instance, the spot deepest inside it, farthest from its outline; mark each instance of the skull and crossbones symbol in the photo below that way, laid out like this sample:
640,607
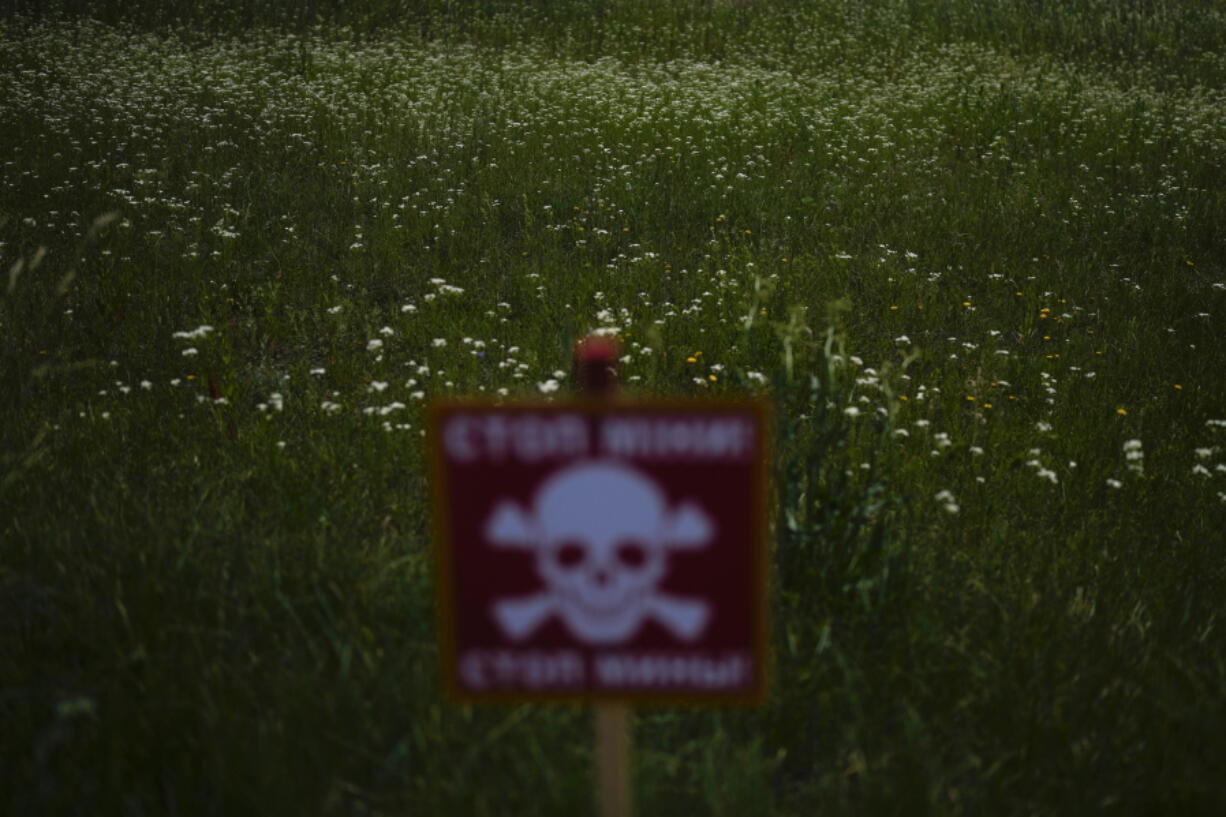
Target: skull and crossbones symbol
601,532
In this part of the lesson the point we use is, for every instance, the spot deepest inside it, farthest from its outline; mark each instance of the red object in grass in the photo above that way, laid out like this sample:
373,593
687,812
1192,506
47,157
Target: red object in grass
594,365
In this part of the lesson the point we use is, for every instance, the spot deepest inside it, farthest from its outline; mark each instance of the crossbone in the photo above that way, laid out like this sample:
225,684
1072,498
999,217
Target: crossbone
601,532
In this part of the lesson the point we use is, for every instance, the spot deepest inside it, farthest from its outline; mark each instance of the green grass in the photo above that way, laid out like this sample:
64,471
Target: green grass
995,229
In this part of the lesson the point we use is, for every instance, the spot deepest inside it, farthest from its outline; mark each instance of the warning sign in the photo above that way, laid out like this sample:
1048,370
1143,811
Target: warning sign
601,550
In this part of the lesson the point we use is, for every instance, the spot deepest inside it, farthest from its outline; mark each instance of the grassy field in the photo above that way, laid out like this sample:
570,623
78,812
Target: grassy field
974,250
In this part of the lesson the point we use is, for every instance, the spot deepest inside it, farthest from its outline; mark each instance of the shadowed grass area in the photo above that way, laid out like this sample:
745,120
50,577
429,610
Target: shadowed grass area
974,252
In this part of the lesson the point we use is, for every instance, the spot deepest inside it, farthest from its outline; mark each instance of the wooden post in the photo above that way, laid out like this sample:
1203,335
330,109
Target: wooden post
595,375
613,750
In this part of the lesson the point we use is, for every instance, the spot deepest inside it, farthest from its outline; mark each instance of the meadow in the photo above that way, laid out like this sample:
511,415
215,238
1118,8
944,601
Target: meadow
974,251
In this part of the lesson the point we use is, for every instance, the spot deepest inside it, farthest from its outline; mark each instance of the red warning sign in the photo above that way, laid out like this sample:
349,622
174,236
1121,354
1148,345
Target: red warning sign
601,550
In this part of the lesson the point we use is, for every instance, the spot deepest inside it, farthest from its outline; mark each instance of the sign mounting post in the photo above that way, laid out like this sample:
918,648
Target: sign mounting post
594,370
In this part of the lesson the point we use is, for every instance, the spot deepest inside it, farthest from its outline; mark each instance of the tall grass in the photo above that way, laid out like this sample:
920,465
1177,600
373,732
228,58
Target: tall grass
972,250
1177,36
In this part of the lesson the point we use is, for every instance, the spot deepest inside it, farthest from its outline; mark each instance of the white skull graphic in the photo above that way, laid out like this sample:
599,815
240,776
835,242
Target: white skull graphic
601,531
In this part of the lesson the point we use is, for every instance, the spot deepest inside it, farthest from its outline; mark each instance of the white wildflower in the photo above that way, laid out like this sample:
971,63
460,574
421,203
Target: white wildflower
949,503
197,333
